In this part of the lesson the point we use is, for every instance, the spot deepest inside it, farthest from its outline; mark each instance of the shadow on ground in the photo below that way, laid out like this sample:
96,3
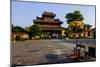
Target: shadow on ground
53,59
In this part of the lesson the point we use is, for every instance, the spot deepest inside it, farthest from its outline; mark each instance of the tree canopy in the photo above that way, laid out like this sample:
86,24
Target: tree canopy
17,29
75,21
34,30
74,16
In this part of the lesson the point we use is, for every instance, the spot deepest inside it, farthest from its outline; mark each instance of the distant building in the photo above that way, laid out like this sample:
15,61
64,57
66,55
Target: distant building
19,35
49,26
88,32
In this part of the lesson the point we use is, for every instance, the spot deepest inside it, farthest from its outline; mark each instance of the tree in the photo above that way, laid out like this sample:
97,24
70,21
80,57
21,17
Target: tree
12,27
75,21
17,29
67,32
74,16
34,30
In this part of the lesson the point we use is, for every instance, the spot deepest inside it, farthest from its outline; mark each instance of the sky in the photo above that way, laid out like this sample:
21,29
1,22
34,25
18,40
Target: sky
23,13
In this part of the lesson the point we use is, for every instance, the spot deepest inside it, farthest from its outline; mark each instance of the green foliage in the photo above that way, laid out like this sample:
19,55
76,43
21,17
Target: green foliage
74,16
34,30
68,31
17,29
77,29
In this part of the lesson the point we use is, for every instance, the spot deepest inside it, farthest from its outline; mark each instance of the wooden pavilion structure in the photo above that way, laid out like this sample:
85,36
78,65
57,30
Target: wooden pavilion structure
50,27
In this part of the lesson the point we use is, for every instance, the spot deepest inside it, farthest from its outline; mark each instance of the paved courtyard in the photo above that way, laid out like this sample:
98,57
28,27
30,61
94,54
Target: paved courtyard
32,52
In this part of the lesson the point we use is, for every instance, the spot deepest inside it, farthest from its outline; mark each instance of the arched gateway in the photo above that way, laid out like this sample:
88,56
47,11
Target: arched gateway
50,27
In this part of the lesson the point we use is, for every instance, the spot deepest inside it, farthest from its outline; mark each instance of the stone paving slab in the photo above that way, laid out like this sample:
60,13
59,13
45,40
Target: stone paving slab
34,51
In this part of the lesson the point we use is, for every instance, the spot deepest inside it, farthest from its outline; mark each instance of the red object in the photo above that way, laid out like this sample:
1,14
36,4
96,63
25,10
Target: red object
75,54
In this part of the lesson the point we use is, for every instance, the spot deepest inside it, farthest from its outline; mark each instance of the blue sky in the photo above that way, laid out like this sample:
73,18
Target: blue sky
24,12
